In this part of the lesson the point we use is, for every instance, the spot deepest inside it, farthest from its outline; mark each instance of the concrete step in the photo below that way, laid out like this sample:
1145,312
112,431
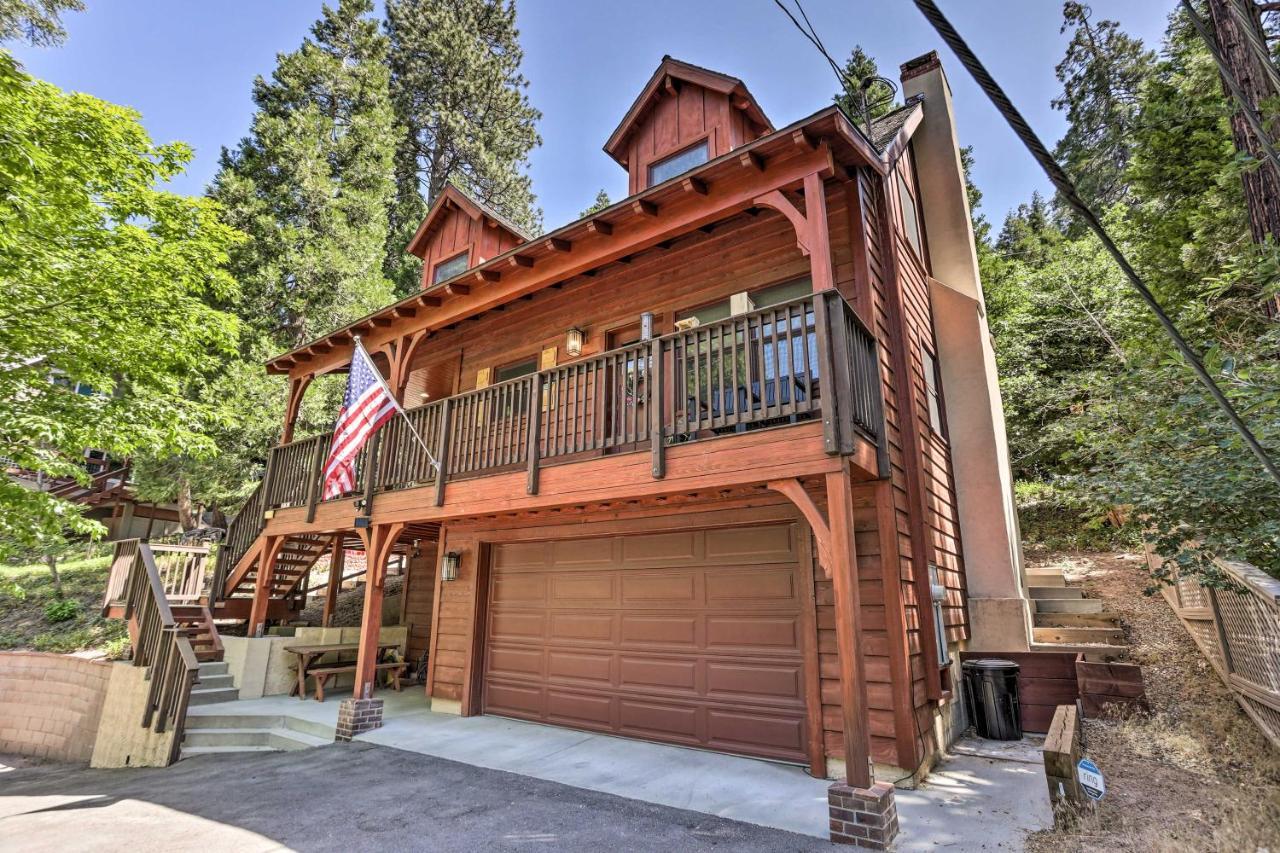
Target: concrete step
1104,619
210,682
1105,636
1055,592
189,751
212,695
213,668
1068,605
277,738
217,718
1045,578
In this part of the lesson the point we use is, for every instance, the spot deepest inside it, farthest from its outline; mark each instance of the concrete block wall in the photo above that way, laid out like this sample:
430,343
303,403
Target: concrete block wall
122,741
261,666
50,704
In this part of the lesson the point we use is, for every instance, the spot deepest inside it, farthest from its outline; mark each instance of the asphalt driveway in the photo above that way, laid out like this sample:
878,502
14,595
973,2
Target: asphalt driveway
345,797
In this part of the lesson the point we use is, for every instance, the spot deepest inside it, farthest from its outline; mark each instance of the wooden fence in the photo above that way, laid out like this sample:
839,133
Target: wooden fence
1239,632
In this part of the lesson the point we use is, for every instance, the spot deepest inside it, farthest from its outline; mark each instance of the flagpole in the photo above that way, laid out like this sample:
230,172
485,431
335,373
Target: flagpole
377,374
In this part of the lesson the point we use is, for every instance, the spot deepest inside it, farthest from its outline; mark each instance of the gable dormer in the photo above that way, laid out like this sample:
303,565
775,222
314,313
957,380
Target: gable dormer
459,233
684,116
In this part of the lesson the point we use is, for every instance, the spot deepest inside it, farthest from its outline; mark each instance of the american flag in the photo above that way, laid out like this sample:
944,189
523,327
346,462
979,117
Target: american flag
368,404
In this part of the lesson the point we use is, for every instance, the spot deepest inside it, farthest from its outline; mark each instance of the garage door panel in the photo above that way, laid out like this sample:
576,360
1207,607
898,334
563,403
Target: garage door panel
577,627
653,719
518,555
518,625
770,587
762,681
692,638
751,631
664,630
664,674
507,661
580,666
671,588
580,709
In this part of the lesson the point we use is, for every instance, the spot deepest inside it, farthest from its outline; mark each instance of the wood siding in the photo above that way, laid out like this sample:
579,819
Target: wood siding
419,600
457,232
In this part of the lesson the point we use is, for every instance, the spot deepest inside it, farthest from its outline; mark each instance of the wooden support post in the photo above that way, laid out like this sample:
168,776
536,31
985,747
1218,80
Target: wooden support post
371,473
819,237
442,449
262,584
297,388
337,565
844,578
657,383
535,424
830,393
378,542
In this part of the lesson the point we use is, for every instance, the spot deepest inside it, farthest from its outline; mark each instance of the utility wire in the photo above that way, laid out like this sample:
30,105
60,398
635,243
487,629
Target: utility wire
1064,186
1237,94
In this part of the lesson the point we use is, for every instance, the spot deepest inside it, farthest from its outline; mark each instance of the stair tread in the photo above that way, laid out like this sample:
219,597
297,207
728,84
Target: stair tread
201,750
278,731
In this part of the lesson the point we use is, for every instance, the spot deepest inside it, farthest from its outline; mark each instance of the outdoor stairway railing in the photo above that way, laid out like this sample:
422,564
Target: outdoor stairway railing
805,359
159,643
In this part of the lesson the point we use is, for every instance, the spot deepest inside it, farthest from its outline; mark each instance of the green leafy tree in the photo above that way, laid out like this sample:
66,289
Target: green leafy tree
105,284
312,183
1100,76
861,91
462,114
602,201
38,22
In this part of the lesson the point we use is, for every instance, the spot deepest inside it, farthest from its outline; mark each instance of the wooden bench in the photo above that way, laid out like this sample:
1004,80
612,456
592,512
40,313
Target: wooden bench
323,673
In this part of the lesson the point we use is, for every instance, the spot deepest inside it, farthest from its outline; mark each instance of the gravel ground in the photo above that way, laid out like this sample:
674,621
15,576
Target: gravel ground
1194,774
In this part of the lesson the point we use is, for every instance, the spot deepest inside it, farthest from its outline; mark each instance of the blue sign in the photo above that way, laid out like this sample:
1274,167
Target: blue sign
1090,778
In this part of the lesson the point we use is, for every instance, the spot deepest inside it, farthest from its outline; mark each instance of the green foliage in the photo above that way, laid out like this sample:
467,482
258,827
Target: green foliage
462,115
860,90
602,201
105,284
37,22
61,610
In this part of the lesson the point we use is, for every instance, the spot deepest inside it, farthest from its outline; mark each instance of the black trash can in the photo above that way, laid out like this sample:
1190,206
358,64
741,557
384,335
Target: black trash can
991,695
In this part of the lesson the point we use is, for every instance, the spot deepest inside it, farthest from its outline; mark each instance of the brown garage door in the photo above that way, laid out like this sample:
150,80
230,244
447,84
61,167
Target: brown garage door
691,637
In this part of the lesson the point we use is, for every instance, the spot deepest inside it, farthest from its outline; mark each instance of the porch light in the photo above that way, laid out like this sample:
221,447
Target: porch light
449,566
573,342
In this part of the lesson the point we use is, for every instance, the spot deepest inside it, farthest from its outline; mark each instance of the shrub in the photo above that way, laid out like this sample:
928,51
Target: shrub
61,610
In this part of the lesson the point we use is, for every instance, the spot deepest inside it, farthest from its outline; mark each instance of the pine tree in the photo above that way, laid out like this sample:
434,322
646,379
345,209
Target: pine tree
462,114
37,22
1100,76
602,201
855,98
312,183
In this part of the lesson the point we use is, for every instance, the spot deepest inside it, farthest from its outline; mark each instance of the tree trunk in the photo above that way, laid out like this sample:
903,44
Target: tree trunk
52,562
186,511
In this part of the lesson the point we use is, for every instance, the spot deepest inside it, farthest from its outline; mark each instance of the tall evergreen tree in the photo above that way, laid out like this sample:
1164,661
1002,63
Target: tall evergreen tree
602,201
312,183
462,114
1100,77
855,97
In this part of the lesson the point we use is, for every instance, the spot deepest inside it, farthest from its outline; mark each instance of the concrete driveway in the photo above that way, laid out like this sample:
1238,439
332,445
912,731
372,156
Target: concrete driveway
346,797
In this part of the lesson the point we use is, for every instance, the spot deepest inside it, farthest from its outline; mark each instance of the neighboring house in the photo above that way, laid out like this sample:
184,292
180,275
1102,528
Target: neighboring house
721,465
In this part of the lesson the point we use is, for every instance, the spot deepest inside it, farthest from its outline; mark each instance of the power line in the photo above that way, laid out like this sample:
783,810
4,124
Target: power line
1067,189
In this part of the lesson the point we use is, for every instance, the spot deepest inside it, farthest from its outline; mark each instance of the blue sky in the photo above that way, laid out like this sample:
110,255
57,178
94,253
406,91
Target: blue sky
188,68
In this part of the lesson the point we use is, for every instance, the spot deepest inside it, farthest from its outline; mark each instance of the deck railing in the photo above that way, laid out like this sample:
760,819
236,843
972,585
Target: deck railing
811,358
158,642
181,570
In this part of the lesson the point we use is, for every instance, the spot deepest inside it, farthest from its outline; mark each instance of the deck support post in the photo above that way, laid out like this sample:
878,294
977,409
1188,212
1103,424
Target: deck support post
262,584
337,565
862,811
378,543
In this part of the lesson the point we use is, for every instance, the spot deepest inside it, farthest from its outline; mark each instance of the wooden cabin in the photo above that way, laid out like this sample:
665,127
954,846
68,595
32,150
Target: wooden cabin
721,465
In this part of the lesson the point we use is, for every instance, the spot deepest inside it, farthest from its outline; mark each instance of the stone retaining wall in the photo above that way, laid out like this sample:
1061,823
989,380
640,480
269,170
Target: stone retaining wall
50,704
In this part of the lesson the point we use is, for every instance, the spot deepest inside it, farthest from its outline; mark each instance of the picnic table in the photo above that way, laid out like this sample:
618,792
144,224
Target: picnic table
322,671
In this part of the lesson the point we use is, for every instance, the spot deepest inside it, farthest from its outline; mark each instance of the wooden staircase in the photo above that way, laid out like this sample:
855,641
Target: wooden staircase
295,559
1064,620
195,622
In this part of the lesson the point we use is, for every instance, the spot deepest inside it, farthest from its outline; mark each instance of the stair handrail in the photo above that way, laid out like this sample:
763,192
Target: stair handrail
158,643
241,533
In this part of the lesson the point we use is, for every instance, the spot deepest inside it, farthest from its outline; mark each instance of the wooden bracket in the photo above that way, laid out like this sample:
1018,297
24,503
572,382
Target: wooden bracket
795,492
775,200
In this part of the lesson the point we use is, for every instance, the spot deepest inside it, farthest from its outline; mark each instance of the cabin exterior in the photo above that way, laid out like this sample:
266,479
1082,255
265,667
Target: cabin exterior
721,465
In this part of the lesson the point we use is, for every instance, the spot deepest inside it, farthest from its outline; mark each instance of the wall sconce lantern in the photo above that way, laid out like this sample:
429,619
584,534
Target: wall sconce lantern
573,342
449,566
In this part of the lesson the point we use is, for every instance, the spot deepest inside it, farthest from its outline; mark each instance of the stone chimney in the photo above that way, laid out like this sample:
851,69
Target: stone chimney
975,417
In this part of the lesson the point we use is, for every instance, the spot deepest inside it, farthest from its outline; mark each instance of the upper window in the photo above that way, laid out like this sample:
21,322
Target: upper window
910,219
775,294
930,365
450,267
681,161
515,371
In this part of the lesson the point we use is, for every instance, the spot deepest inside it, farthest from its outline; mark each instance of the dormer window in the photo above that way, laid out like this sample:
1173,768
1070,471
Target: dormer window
678,163
450,267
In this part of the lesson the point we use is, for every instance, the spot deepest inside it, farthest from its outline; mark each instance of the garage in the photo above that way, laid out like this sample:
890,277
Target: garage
689,637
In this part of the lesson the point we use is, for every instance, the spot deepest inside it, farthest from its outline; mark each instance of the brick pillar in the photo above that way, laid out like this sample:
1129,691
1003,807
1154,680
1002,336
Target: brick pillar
357,716
863,817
